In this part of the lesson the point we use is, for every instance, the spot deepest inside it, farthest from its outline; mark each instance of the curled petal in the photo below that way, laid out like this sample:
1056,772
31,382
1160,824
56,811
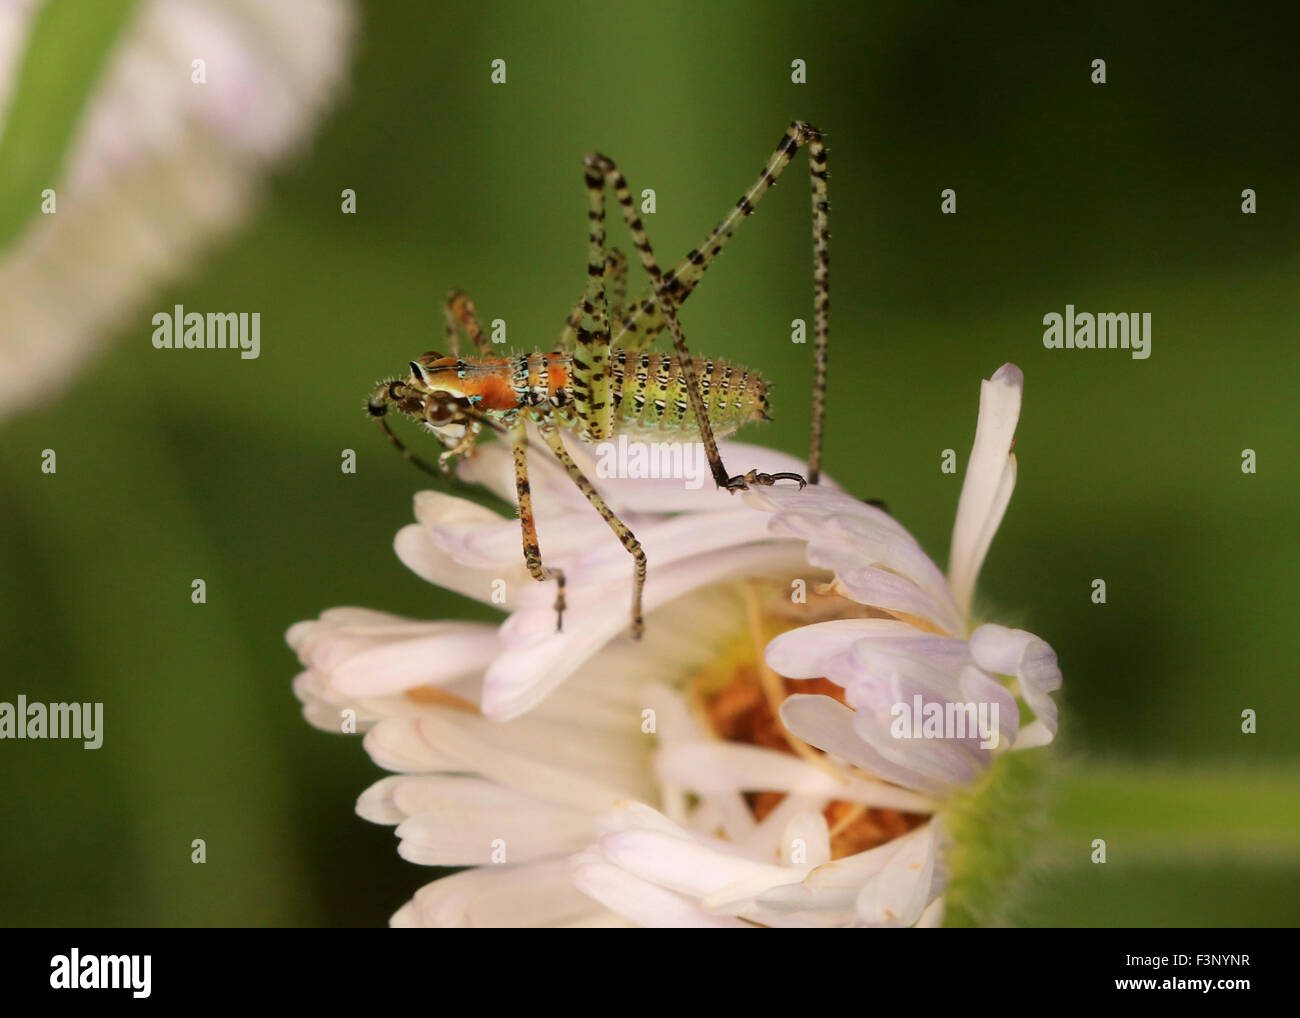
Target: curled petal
827,724
851,538
1015,652
900,892
990,479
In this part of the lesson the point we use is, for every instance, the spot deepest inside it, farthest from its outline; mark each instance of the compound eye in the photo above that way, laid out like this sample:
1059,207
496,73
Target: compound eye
439,412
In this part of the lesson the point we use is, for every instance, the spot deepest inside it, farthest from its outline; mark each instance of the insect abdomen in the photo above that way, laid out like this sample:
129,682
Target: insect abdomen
650,395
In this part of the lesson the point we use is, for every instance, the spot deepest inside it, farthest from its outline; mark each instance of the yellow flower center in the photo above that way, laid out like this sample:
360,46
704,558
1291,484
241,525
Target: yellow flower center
738,698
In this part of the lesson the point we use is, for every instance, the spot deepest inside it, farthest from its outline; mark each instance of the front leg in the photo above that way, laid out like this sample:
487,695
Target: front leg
528,523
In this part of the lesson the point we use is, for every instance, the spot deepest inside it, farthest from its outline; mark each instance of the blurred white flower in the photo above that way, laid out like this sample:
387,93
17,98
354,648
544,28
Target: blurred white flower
594,780
159,168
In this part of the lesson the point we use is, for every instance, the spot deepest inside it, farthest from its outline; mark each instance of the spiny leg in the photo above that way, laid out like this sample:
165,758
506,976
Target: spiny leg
637,327
528,522
459,308
556,443
821,208
601,170
616,271
591,379
643,320
451,334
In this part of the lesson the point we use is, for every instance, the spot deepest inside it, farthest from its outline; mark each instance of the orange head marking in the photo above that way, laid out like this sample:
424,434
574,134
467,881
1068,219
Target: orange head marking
449,411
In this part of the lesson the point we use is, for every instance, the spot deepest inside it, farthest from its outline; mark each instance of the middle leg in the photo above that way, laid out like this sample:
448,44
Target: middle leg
528,522
556,443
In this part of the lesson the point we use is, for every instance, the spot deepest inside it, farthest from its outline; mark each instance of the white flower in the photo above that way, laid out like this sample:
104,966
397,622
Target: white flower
931,645
159,168
528,754
692,539
521,800
921,643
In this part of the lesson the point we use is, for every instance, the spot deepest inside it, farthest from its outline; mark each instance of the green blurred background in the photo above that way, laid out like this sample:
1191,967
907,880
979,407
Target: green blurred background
1115,197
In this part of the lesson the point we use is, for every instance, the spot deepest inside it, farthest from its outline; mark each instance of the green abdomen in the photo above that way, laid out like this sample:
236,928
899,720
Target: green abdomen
650,395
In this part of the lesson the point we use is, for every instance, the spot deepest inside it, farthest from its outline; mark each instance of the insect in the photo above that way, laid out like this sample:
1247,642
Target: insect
602,380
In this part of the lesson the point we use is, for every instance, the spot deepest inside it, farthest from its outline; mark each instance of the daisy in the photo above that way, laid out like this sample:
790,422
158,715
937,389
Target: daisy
520,801
534,756
918,641
159,166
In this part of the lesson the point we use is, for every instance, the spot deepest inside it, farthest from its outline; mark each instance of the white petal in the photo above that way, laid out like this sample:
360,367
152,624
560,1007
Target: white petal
644,842
1016,652
1033,735
879,663
949,761
807,829
847,536
540,758
469,835
376,802
492,466
812,651
713,767
673,495
881,588
340,633
553,491
395,744
457,820
433,660
899,893
932,917
889,676
833,885
645,903
420,553
530,895
827,724
691,867
538,659
989,482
